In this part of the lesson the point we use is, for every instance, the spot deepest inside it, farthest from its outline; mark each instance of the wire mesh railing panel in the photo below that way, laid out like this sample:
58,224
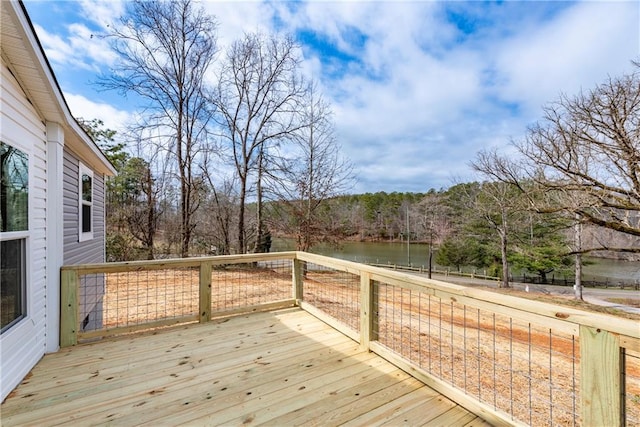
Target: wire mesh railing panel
137,297
527,371
336,293
250,284
631,377
91,302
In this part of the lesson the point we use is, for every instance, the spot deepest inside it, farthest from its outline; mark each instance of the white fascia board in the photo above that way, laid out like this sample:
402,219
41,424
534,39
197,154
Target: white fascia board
76,138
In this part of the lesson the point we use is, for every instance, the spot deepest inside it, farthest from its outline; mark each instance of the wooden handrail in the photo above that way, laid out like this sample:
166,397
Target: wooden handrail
520,308
118,267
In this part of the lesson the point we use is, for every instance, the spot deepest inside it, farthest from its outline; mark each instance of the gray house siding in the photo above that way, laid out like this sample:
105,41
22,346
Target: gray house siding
89,251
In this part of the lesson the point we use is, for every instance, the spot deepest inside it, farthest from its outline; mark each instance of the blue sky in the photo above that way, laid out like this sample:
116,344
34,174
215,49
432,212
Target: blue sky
417,88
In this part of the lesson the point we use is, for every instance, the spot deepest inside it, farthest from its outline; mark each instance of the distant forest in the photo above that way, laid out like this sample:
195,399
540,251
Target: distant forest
453,222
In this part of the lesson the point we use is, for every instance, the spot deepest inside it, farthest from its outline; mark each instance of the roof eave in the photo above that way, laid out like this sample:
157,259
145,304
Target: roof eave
48,98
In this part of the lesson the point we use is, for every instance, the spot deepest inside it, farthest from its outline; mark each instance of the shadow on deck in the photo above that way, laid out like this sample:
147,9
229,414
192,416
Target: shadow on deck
276,368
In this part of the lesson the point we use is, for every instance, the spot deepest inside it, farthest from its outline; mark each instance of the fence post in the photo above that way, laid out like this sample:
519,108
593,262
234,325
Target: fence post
68,308
600,378
205,292
366,310
297,280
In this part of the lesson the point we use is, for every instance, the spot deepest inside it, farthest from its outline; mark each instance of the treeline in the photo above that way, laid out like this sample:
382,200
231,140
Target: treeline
460,225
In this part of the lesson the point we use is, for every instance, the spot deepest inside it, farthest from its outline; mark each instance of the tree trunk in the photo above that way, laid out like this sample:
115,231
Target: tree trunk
310,189
243,194
184,208
258,246
150,215
430,254
577,287
505,264
503,252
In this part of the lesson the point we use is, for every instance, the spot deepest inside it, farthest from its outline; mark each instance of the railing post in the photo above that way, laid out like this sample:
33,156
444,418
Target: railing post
68,308
600,378
205,292
297,280
366,309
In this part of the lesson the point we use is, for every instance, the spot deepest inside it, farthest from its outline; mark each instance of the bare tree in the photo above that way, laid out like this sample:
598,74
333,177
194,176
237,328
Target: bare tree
434,223
314,174
583,159
496,203
165,49
257,97
537,197
143,211
220,208
588,147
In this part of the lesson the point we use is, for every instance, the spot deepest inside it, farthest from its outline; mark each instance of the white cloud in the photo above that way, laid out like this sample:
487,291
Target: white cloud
237,18
394,126
437,97
112,117
80,48
102,12
58,50
574,51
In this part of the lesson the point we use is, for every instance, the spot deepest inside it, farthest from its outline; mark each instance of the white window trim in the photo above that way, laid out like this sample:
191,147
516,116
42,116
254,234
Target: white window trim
26,235
84,170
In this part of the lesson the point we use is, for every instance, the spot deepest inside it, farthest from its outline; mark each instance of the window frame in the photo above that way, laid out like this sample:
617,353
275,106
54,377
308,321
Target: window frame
84,236
24,236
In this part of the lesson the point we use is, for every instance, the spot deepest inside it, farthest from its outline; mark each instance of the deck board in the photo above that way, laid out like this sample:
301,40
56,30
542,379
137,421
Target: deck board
278,368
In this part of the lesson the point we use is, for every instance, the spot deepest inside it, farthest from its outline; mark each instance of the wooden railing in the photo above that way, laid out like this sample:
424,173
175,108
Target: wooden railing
448,272
507,359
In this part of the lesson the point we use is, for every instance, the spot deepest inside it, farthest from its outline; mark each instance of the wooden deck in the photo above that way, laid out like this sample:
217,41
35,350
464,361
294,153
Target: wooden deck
279,368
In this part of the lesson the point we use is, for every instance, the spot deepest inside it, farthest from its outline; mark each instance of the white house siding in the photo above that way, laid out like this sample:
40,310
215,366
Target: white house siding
89,251
20,125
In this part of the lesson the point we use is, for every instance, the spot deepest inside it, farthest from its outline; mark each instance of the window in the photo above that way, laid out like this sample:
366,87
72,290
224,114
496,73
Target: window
85,204
14,231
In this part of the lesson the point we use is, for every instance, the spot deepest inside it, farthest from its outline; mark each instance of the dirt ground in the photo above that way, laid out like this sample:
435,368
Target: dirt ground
527,371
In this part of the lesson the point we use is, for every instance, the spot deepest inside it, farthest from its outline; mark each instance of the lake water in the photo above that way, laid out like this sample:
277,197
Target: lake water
417,255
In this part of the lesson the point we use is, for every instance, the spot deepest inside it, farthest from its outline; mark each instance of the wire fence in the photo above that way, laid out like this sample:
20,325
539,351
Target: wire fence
335,292
134,298
251,284
528,372
631,378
